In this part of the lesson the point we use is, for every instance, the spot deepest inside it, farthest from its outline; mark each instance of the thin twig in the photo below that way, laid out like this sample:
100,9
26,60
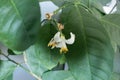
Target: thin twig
19,65
25,59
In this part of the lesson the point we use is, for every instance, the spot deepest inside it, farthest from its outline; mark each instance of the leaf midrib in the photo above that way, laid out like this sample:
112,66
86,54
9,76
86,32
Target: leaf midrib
17,11
14,6
84,36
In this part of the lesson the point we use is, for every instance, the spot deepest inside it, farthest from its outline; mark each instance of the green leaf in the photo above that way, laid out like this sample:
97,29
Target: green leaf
33,59
112,26
57,75
85,2
95,6
6,70
118,7
19,23
41,55
90,2
43,0
91,56
115,76
103,2
10,77
98,6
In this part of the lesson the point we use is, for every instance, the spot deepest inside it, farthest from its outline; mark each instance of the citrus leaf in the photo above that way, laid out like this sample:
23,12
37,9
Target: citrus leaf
118,7
91,56
10,77
112,26
95,6
19,23
40,54
57,75
6,70
85,2
115,76
90,2
103,2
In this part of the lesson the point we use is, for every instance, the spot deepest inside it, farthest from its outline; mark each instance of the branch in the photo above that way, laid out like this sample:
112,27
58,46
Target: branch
9,59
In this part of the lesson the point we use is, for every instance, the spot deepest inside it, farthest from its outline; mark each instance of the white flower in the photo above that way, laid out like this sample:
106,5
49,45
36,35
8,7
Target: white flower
59,41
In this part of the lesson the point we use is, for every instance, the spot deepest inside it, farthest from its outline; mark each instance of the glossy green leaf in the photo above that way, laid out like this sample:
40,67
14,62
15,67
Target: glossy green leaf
43,0
94,6
115,76
57,75
112,25
19,23
97,13
90,2
118,7
40,54
10,77
6,70
91,56
103,2
34,62
85,2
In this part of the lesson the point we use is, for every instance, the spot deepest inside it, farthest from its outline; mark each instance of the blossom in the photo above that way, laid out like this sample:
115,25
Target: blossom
59,41
49,15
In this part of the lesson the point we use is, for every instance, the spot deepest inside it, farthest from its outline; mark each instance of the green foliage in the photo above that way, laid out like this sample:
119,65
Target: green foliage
112,26
58,75
86,2
46,58
90,57
115,76
6,70
19,23
92,44
118,7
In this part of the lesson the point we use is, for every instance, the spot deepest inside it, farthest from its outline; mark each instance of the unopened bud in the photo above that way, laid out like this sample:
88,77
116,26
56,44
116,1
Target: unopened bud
49,15
60,26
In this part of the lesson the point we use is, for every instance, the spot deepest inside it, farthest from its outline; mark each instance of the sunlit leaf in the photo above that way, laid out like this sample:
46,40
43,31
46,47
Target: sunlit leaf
6,70
91,56
115,76
19,23
58,75
112,26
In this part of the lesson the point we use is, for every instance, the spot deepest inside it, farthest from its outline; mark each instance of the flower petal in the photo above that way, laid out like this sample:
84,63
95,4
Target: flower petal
57,37
71,40
61,44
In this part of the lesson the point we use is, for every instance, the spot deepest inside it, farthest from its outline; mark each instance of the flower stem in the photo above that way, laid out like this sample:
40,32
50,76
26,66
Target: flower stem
60,8
9,59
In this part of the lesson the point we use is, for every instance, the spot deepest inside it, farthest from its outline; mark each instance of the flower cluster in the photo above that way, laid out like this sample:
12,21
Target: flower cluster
59,40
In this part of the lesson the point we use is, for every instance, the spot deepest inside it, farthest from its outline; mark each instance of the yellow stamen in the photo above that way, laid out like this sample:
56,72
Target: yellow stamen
63,50
52,44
